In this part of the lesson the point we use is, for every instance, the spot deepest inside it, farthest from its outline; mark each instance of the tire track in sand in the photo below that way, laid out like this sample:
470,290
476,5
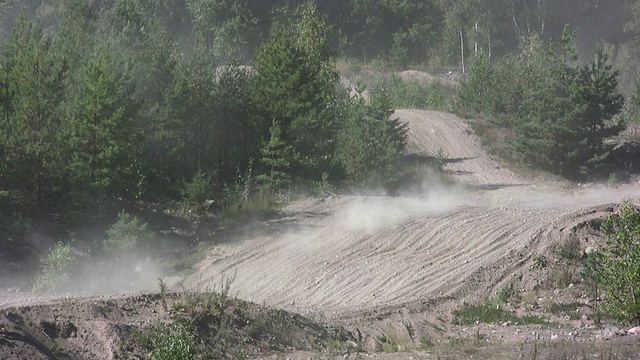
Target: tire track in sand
373,252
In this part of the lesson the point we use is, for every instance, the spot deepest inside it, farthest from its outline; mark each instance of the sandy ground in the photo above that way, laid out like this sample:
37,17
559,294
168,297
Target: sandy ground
377,262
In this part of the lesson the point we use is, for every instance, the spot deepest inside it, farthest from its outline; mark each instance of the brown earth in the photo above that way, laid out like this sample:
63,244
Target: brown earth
391,269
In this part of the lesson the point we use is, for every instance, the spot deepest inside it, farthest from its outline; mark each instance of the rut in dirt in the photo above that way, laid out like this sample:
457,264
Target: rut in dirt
349,253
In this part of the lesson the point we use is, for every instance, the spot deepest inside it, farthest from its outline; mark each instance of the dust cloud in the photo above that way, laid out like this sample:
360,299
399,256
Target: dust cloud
370,213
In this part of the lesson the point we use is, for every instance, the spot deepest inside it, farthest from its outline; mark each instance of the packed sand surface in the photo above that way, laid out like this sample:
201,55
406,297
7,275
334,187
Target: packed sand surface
342,254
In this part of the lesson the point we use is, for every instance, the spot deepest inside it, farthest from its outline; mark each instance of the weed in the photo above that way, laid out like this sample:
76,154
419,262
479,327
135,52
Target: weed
388,343
507,293
489,312
435,326
188,261
198,190
539,262
613,181
565,309
163,292
569,249
174,342
425,342
457,341
125,234
530,299
480,338
55,269
562,276
413,95
323,186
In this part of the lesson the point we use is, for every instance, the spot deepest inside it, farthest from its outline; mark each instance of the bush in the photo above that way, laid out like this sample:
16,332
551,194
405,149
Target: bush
55,269
126,234
569,249
412,95
616,265
489,312
198,190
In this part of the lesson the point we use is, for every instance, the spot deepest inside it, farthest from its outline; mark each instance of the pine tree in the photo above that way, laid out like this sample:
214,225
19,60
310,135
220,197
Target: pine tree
103,140
276,155
32,135
295,85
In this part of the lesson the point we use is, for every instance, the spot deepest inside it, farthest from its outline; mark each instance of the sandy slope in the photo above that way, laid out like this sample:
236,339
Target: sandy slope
349,253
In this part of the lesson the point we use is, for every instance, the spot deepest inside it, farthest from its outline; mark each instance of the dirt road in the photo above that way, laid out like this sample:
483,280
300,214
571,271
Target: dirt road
348,253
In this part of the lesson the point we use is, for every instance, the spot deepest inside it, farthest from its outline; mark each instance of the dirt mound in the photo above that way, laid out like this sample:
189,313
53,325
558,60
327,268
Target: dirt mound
120,327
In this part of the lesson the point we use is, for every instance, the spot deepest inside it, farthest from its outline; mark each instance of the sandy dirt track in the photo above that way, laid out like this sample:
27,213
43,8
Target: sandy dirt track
346,254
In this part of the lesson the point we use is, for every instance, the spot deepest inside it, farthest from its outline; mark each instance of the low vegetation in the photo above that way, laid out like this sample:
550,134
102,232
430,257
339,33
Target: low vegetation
555,112
490,312
55,269
210,324
615,266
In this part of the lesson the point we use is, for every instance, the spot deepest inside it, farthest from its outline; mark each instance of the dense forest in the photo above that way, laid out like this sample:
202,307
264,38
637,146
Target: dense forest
223,99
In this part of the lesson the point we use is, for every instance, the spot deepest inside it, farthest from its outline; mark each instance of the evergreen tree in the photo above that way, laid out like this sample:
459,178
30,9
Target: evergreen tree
228,27
370,143
103,141
275,155
32,137
598,89
295,85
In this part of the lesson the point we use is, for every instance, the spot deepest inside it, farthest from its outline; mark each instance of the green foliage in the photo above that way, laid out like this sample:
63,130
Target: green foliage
560,113
243,200
198,189
323,186
426,342
565,309
490,312
507,294
295,86
229,27
569,249
277,157
632,105
412,95
475,90
539,262
100,127
55,269
616,265
32,139
126,234
175,342
370,144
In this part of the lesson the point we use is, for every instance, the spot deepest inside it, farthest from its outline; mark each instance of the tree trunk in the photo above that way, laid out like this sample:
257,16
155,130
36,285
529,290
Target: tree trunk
462,49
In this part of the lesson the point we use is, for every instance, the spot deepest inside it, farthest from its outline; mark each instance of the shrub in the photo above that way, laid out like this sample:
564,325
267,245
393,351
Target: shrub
616,265
322,186
198,190
489,312
175,342
55,269
413,95
125,234
569,249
